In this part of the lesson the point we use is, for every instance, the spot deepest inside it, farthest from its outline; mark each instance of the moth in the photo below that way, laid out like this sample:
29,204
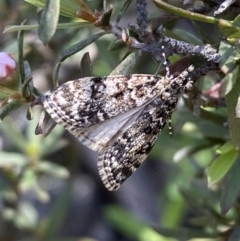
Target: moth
120,117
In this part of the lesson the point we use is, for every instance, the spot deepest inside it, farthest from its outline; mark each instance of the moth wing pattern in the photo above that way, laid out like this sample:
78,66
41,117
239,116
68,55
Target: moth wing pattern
128,151
98,136
88,101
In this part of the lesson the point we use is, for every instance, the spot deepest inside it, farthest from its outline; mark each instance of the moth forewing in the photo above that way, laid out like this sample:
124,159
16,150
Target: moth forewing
88,101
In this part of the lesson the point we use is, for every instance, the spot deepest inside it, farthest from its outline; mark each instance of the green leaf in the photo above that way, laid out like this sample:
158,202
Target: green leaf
123,221
185,233
5,92
26,217
68,8
12,159
220,166
127,64
9,107
28,180
49,20
200,196
52,169
233,122
187,36
13,28
227,62
79,46
231,187
184,13
226,147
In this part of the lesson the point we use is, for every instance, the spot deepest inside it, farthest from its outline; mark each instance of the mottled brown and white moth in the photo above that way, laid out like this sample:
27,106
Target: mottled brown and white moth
120,117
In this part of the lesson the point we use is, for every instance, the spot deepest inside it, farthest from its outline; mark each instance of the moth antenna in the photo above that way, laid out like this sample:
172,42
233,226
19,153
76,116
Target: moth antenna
165,63
170,128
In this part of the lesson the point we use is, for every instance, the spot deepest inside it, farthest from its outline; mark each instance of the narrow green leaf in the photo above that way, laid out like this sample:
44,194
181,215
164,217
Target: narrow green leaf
188,36
184,13
9,159
79,46
51,168
28,180
233,122
123,10
26,217
127,64
220,166
68,7
9,107
13,28
116,44
20,56
185,233
226,147
5,92
49,20
123,221
231,187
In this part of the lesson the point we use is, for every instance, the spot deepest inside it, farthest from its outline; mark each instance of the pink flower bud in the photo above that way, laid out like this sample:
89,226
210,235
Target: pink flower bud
7,65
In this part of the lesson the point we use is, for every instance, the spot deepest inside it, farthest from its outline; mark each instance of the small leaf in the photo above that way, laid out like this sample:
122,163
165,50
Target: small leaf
231,187
233,122
86,66
49,20
220,166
